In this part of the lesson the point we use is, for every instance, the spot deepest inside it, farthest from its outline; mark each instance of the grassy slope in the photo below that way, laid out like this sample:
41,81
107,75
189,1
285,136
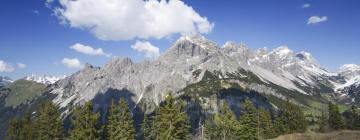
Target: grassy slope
336,135
23,91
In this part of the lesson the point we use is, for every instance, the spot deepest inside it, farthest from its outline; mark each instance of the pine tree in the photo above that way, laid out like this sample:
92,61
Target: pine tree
293,117
353,120
86,124
266,124
26,127
226,122
171,121
212,131
280,125
249,122
48,123
127,130
146,127
13,132
120,122
335,121
322,121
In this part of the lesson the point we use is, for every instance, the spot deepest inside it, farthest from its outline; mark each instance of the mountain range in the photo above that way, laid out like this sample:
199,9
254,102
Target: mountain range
189,60
197,68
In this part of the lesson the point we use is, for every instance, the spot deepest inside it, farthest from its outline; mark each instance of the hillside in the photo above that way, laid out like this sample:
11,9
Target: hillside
336,135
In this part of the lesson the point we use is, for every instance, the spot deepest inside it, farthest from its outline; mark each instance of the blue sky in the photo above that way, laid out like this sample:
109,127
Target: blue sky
35,35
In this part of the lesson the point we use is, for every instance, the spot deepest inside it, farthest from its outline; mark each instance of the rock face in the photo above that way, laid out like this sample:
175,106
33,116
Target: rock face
185,63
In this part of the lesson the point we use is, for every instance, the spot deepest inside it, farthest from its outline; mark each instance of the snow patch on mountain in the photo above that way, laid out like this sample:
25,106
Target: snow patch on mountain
44,79
5,80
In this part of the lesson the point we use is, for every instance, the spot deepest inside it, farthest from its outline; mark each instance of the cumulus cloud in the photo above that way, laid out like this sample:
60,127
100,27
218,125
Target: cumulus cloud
147,48
89,50
21,65
5,67
317,19
72,63
306,5
128,19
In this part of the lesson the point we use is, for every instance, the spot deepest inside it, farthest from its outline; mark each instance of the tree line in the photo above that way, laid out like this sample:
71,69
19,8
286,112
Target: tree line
334,120
170,122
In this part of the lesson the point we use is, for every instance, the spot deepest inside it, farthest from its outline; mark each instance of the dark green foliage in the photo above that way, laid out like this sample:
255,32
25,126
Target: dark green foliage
291,119
266,124
335,121
146,127
26,130
212,131
249,122
226,122
20,128
281,126
170,121
14,129
86,124
48,124
353,119
120,124
322,122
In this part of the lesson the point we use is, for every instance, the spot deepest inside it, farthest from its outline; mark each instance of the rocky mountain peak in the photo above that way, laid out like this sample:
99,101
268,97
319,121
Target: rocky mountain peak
191,46
306,58
281,51
349,68
118,62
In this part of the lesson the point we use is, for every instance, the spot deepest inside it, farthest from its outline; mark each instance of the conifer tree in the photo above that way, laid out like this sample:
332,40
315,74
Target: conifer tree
13,132
266,124
335,120
322,121
86,124
146,127
20,128
353,120
249,122
226,122
280,125
48,124
293,117
171,121
126,127
26,127
212,131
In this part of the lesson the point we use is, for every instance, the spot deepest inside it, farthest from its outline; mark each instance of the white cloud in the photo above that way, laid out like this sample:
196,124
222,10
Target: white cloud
147,48
48,3
21,65
5,67
89,50
72,63
317,19
306,5
129,19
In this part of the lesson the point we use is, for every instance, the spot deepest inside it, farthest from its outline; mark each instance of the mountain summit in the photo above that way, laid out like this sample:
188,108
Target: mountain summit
191,60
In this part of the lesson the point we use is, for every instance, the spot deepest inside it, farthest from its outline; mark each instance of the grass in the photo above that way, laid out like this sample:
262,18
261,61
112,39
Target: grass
335,135
22,91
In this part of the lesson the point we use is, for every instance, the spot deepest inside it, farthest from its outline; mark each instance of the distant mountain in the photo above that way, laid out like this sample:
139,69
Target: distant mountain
20,97
44,79
4,81
348,83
